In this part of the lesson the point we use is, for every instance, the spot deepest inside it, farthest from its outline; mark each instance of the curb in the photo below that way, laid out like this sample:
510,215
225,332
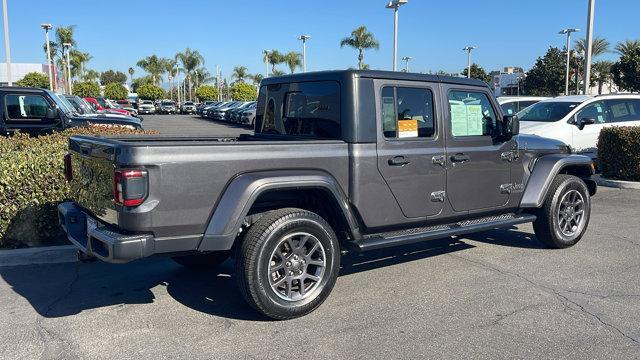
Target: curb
42,255
618,184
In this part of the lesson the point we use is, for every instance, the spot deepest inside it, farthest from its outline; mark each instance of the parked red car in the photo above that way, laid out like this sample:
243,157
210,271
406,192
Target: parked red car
100,104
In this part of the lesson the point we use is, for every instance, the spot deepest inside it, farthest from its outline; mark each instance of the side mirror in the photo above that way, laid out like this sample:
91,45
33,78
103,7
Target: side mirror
510,127
585,121
52,114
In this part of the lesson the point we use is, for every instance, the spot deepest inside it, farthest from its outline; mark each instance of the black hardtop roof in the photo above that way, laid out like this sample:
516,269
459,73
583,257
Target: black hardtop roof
21,88
373,74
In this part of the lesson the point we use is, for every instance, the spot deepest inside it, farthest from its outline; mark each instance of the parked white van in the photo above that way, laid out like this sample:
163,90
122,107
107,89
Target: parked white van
577,120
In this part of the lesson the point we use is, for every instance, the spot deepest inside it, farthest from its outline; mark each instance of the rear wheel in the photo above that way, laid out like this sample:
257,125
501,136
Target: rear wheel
202,261
288,263
564,216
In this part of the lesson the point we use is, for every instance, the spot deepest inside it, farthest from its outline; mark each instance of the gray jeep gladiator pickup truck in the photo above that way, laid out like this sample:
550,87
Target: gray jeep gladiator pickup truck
340,161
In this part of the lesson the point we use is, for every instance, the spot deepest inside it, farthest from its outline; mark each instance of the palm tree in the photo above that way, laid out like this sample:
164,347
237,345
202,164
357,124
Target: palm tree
627,46
256,78
240,73
155,66
203,76
191,60
293,60
361,39
64,35
602,73
277,72
90,75
275,58
78,59
131,71
599,46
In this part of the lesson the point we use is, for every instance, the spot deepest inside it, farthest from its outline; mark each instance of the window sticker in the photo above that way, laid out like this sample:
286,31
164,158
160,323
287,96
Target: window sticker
474,120
619,110
407,128
459,123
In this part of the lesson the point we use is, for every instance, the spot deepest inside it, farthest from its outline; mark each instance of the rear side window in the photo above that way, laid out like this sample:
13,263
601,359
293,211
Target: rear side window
471,114
306,109
622,110
407,112
26,107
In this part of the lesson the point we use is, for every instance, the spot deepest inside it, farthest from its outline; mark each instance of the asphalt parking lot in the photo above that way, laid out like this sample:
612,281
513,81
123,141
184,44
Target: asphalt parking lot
191,125
496,294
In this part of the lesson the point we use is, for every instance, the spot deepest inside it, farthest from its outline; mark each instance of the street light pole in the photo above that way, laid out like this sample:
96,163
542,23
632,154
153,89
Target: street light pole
304,39
7,48
46,28
587,58
568,32
395,4
468,49
406,63
67,46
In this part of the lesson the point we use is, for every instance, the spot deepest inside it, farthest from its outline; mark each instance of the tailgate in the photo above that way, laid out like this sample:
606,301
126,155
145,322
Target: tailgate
92,165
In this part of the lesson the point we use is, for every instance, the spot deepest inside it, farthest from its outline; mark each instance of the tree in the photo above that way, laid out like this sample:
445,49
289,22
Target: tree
256,78
477,72
275,58
207,93
131,72
150,92
361,40
87,89
546,78
137,82
626,72
64,35
277,72
35,80
599,46
240,73
78,59
243,92
627,46
155,66
293,60
112,77
203,76
91,75
601,73
115,91
190,60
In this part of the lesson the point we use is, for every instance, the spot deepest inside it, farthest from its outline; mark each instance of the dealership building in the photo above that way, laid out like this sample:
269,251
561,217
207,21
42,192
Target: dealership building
19,70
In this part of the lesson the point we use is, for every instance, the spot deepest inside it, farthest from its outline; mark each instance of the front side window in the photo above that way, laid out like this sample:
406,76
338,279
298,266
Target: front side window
510,108
621,110
594,111
26,107
407,112
306,109
471,114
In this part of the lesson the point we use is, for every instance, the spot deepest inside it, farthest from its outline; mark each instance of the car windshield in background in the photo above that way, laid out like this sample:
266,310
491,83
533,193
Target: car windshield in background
167,103
308,109
547,111
63,103
188,103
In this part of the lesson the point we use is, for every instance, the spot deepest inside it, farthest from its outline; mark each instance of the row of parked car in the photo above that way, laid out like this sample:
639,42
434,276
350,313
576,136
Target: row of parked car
237,112
166,107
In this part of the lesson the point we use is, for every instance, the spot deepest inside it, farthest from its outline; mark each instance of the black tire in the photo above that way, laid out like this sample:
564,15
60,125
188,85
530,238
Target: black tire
265,240
551,221
202,261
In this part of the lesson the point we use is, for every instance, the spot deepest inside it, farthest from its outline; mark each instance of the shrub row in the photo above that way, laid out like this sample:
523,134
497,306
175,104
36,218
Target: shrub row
32,184
619,153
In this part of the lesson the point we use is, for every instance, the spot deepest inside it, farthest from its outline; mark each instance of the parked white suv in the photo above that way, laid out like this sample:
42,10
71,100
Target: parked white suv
577,120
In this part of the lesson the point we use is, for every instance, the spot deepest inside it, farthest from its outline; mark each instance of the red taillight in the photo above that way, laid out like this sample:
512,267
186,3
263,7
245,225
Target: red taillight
129,187
68,174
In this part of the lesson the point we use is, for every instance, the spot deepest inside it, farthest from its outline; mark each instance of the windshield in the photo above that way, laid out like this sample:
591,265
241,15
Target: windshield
63,104
167,103
80,105
102,102
147,102
548,111
188,103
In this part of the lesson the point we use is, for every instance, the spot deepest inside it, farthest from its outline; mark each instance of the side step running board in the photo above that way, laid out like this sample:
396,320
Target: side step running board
404,237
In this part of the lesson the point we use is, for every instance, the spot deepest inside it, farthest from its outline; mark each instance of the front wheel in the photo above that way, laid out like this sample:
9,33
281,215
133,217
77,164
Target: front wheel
288,263
564,216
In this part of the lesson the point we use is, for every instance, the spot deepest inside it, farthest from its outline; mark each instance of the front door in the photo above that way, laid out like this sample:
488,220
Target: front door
478,166
410,146
585,140
27,113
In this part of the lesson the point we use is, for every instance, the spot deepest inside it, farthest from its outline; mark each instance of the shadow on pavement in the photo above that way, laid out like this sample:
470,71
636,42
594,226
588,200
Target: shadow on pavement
59,290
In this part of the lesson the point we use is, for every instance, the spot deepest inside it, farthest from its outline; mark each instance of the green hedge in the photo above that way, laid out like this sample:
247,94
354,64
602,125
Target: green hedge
32,184
619,153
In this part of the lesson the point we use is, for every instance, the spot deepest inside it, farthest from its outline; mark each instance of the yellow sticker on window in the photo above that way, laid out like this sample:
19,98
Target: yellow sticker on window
407,128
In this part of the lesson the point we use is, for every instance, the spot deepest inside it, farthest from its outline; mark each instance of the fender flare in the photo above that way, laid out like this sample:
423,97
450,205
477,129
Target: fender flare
544,171
242,192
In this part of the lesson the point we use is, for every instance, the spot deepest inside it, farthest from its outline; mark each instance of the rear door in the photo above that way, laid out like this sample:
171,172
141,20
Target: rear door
623,112
410,146
478,170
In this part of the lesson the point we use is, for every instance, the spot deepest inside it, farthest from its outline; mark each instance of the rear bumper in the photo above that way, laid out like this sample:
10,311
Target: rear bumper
101,242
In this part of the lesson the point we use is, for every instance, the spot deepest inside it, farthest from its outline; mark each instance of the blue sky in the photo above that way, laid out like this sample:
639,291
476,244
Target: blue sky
508,32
